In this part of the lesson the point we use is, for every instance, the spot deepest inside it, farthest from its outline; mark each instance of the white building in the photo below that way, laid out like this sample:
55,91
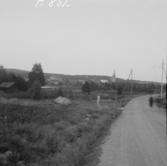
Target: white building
104,81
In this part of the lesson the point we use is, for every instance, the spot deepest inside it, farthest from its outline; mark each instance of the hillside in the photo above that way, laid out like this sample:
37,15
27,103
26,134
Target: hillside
97,78
24,74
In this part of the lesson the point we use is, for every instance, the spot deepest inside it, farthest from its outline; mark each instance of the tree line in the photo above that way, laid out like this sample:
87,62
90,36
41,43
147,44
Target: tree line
36,74
32,86
87,87
36,79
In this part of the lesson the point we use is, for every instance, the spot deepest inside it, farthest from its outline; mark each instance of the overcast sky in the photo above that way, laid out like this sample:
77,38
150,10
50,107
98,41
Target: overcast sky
91,37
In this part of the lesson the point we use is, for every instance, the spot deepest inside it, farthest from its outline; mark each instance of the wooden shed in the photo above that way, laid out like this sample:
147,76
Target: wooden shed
8,87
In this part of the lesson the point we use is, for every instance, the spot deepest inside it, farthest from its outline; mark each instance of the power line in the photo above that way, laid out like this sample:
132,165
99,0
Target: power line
127,80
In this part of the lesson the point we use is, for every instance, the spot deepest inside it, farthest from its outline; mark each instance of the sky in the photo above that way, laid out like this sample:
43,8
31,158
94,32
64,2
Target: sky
92,37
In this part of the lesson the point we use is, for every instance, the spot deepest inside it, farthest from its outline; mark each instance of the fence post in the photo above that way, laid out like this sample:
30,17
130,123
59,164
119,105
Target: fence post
98,100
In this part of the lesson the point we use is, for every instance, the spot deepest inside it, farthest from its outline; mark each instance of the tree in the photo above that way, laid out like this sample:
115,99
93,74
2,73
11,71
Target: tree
12,77
94,85
36,73
35,90
60,92
86,87
19,81
120,90
3,75
113,86
21,84
107,85
70,92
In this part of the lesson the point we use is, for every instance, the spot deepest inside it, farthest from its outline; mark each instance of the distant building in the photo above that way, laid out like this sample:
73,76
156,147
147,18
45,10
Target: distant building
8,87
104,81
72,82
55,78
113,79
93,79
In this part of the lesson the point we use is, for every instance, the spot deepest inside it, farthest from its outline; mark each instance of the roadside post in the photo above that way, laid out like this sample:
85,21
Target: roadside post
98,100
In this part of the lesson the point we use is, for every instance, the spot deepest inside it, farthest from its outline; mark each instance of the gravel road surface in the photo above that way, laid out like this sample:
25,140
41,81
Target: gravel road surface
138,137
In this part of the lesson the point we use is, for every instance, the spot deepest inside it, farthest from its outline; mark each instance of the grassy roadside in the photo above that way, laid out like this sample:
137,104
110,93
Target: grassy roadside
161,103
92,158
49,135
124,99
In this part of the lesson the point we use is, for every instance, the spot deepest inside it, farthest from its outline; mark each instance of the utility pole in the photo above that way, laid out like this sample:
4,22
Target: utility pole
162,78
131,80
130,75
166,66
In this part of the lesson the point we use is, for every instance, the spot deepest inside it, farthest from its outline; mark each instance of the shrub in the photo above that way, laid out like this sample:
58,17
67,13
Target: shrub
70,94
21,95
50,94
86,88
35,90
120,90
60,92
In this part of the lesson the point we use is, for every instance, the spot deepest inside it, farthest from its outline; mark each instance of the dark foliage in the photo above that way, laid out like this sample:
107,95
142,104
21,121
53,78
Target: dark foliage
3,75
19,81
36,135
86,87
60,92
120,89
36,73
21,84
94,86
35,90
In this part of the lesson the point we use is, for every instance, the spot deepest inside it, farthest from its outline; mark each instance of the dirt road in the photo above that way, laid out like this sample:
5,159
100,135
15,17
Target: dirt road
138,137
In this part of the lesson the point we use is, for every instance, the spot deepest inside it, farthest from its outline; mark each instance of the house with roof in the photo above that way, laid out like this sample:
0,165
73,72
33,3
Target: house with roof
55,78
104,81
8,87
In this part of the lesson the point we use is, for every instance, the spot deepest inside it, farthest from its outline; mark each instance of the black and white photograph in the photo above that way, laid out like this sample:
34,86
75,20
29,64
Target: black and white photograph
83,82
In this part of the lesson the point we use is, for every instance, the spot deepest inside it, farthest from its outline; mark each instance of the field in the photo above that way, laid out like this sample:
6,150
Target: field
45,134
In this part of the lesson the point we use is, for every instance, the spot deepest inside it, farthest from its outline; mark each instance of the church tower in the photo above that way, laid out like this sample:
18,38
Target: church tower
113,79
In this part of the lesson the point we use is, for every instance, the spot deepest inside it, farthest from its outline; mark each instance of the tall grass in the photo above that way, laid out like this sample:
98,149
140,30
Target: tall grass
61,136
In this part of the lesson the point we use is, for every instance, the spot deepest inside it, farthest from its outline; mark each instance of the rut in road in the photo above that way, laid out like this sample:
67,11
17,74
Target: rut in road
138,137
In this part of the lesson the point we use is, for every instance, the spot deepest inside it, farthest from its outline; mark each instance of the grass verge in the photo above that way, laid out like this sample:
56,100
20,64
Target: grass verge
49,136
160,102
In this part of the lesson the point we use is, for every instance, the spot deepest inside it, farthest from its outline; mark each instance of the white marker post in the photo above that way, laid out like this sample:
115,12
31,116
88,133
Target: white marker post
98,100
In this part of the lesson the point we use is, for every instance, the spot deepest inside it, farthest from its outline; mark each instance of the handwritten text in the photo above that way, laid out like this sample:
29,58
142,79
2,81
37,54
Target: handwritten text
60,3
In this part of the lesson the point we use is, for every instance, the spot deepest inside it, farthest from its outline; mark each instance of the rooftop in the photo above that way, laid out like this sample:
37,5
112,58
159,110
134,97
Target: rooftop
6,84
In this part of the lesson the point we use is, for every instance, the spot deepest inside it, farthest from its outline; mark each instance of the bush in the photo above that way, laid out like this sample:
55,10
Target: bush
120,90
60,92
50,94
160,102
35,90
21,95
86,88
70,94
